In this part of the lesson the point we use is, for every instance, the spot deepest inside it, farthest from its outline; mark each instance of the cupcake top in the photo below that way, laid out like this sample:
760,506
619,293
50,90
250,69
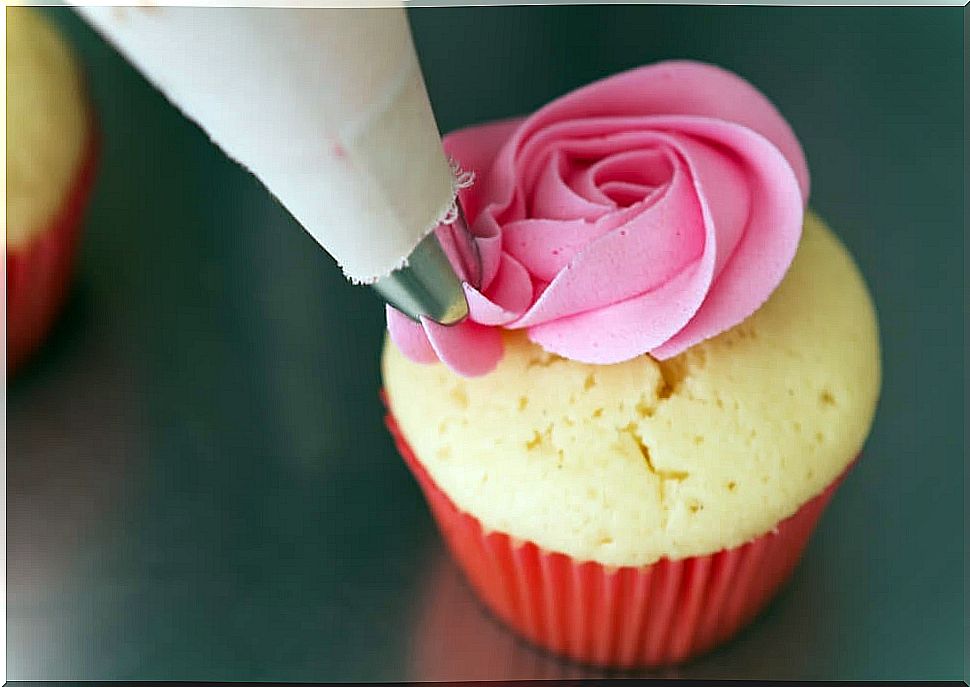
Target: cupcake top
47,123
630,462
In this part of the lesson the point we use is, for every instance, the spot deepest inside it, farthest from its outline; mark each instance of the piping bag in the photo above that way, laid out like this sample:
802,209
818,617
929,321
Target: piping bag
328,108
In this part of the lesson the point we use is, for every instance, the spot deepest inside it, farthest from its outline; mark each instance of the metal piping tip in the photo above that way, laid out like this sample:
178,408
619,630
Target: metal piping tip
427,286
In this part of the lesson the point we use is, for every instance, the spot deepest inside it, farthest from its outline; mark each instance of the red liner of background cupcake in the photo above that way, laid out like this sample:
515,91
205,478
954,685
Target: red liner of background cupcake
39,273
618,616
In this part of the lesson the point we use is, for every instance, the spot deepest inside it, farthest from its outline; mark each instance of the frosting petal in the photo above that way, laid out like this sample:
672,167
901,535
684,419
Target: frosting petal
636,257
679,87
509,295
468,348
759,263
626,329
409,337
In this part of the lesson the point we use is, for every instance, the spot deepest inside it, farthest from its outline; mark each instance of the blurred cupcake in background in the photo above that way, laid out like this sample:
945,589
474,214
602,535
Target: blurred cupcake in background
51,160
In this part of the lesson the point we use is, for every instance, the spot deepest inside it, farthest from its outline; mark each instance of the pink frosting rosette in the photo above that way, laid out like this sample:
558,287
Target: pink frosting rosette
643,213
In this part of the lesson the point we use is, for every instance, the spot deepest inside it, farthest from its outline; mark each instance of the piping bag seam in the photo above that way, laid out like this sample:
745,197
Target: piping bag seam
460,179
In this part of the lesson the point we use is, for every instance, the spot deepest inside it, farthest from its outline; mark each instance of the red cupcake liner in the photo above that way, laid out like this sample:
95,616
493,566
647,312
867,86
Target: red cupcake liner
621,617
39,273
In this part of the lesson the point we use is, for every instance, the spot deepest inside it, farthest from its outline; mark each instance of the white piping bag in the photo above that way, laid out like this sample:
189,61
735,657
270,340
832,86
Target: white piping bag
328,108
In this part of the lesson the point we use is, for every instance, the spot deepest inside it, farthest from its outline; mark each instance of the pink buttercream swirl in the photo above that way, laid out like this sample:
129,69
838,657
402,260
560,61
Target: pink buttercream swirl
643,213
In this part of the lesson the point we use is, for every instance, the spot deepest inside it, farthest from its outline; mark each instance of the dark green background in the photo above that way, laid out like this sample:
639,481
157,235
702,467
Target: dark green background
200,485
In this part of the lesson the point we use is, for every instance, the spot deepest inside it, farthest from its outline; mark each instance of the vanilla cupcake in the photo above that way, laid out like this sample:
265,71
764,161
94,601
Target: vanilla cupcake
668,368
51,151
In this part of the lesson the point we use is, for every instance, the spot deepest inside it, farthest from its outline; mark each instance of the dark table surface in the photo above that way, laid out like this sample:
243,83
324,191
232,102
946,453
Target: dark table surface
199,482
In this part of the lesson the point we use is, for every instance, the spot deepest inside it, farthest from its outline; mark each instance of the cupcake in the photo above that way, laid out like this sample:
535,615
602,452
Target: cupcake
51,145
669,366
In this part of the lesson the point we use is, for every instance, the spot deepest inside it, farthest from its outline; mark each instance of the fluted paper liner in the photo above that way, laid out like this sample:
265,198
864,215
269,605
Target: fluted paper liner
622,617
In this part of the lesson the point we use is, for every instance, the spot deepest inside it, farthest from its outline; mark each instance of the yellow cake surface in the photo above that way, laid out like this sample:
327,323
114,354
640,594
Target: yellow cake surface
47,123
625,464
